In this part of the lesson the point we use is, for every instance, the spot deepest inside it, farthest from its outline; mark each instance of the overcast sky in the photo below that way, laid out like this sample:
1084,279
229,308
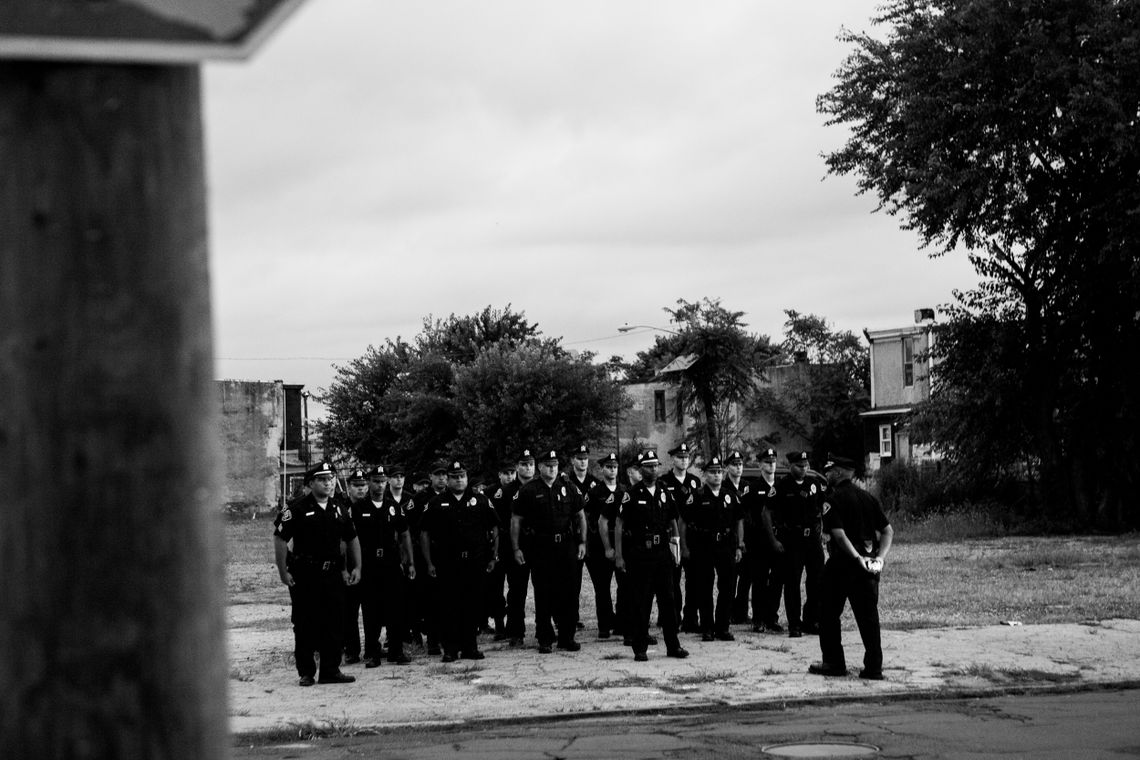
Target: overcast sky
587,162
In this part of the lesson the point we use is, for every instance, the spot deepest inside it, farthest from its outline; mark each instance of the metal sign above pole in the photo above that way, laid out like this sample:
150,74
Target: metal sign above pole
138,31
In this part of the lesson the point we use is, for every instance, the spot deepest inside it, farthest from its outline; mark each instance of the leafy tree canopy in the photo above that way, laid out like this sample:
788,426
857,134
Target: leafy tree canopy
1010,130
476,388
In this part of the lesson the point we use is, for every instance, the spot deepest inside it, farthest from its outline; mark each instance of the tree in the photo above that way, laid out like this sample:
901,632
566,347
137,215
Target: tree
1009,130
834,387
474,387
720,363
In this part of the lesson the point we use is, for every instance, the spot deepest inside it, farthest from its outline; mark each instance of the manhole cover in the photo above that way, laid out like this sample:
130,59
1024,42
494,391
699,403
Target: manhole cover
820,749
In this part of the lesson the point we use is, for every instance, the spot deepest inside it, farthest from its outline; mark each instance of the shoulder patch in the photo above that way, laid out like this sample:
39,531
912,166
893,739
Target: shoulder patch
564,490
826,507
689,500
625,497
499,494
472,502
392,510
287,515
814,489
727,500
516,496
610,499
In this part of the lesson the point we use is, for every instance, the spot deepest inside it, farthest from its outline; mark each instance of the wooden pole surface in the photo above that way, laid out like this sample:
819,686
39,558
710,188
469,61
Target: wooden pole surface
112,639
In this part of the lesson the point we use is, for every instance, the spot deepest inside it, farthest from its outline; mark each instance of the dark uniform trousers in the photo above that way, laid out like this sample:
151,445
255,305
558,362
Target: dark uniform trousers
711,555
764,568
845,580
649,573
382,602
461,583
350,636
801,552
518,576
554,565
601,576
317,597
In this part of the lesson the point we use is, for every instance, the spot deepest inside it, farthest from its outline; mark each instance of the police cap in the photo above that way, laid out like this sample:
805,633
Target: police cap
840,461
680,450
648,458
798,457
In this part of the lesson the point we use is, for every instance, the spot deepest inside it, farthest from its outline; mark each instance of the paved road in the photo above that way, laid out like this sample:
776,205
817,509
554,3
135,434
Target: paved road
1100,723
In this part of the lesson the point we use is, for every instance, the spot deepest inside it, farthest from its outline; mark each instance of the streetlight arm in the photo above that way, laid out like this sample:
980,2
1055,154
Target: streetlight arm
627,328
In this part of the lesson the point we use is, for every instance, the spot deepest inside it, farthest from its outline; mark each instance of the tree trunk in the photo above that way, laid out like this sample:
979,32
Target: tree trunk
111,626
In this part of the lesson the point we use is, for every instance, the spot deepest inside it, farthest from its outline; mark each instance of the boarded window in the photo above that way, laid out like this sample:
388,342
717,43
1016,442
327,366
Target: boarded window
658,406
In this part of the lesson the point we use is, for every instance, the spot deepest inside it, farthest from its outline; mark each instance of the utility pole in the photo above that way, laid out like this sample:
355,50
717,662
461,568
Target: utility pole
112,627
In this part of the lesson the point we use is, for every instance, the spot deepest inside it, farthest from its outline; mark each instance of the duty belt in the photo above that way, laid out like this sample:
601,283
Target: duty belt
322,565
379,554
653,540
717,535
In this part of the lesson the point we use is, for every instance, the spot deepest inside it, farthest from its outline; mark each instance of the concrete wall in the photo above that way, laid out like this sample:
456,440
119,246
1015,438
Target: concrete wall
250,438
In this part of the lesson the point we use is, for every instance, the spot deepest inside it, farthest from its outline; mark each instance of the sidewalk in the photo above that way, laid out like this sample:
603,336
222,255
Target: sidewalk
519,684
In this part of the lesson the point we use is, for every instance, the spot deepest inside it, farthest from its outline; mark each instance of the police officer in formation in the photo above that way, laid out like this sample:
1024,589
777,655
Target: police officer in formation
760,547
495,600
422,602
518,575
712,543
860,538
548,533
601,511
458,535
646,520
307,539
581,478
356,492
683,486
386,548
800,497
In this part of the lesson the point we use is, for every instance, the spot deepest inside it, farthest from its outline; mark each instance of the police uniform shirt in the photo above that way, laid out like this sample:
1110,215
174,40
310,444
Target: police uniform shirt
377,525
646,517
684,490
603,502
547,510
415,511
713,512
460,523
800,501
501,497
740,492
584,486
760,496
316,532
858,514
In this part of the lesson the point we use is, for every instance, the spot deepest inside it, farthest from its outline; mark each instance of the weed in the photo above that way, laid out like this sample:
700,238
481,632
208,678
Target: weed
703,676
237,674
496,689
333,727
1009,676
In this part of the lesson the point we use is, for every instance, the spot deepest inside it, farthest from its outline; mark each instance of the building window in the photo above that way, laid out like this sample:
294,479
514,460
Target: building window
658,406
908,361
680,418
885,441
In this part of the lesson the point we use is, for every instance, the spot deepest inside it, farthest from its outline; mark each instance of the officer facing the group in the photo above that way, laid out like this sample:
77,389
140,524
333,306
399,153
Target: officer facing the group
458,535
548,532
387,552
799,498
645,521
860,539
316,574
712,540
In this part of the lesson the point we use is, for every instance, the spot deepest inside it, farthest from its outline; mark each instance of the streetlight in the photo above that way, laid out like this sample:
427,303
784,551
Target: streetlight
627,327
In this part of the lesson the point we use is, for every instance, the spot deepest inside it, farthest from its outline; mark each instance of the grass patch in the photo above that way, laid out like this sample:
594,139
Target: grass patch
495,689
597,684
327,729
703,676
1014,676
